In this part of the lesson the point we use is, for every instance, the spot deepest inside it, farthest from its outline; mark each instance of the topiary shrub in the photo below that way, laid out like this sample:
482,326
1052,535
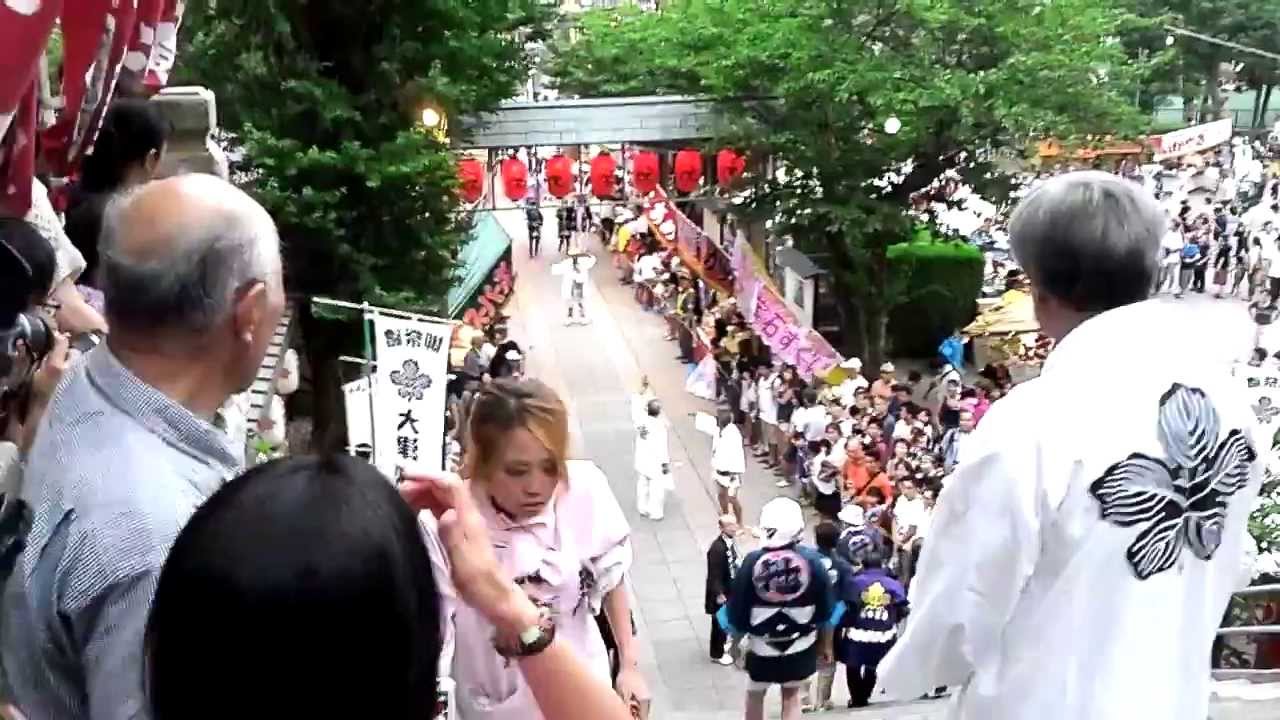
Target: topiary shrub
939,281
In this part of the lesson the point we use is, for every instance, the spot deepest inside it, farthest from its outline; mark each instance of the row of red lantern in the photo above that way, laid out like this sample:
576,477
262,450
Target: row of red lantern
560,176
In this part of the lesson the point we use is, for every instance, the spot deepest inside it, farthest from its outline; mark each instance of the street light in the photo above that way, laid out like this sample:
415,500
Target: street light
892,125
433,120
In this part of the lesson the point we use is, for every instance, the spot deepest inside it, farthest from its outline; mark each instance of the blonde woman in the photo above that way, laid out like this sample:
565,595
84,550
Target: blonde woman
557,529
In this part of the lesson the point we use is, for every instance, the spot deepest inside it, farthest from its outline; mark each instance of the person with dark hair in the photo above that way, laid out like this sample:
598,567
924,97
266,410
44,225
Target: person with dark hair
253,592
126,153
876,602
27,266
75,315
826,537
27,380
300,574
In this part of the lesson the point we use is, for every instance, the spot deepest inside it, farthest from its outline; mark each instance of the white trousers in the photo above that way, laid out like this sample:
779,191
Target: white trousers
651,496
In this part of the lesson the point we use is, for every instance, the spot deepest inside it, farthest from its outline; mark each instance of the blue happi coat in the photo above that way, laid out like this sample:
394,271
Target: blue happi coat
876,603
782,597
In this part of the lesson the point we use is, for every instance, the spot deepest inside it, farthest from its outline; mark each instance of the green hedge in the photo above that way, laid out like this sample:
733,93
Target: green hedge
943,279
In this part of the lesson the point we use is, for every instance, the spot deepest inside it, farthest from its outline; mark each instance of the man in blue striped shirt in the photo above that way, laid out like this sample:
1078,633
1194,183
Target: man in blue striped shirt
128,447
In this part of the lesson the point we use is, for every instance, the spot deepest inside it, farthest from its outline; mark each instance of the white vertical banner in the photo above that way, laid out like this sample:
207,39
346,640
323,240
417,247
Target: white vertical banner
359,405
409,392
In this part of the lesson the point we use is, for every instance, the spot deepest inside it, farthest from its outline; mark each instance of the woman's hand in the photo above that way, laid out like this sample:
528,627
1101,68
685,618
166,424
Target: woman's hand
476,575
56,361
631,685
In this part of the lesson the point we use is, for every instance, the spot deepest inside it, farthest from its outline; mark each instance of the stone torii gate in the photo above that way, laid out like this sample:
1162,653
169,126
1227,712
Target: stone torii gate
590,121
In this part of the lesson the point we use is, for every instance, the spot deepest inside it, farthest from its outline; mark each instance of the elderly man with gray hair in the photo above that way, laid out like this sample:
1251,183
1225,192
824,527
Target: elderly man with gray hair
128,448
1081,557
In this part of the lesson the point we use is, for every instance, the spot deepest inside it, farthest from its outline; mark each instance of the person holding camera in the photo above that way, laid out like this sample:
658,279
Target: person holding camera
128,447
33,355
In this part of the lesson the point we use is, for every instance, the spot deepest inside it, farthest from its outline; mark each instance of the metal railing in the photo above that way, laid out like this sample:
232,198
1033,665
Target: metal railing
1251,674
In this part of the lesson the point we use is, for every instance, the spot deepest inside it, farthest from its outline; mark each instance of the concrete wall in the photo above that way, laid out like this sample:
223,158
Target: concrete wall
587,122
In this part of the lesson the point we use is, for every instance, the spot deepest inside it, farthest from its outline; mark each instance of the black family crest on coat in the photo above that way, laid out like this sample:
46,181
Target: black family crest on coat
1179,500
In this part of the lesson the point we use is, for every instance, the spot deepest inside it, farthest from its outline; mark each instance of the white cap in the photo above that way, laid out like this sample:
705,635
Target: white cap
852,363
782,521
887,367
852,515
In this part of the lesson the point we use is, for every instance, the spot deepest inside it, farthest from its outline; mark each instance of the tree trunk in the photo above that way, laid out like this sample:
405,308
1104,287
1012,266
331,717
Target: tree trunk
323,342
1217,101
1255,120
1266,105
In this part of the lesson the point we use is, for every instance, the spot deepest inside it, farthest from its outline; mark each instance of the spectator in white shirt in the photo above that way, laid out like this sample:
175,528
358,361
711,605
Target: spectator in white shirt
852,382
908,517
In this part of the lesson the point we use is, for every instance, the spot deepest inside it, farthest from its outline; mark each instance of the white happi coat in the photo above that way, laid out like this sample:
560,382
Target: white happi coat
1082,555
652,448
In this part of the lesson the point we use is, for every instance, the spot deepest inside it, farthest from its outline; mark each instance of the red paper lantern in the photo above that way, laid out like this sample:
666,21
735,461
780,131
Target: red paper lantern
471,175
729,166
603,167
688,170
515,179
644,171
560,176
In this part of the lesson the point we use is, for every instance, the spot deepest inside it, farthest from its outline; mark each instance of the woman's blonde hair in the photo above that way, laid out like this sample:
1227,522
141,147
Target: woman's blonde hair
505,405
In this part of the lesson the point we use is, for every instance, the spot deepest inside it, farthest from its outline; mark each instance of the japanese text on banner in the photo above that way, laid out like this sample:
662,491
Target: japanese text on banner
409,393
790,341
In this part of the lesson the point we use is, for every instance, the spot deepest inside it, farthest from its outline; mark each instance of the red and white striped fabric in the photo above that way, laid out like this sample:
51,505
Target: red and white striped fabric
24,30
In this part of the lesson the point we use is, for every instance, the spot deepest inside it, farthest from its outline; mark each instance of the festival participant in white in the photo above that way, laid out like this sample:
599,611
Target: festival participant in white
575,274
728,461
1079,562
653,457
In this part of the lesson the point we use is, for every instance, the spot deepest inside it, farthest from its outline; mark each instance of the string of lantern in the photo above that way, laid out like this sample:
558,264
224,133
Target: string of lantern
559,173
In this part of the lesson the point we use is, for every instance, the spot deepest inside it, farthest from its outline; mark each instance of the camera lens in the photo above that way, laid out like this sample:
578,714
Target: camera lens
36,332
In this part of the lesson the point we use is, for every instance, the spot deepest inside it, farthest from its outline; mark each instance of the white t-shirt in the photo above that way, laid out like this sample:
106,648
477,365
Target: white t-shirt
812,421
1171,244
849,388
908,513
767,403
647,268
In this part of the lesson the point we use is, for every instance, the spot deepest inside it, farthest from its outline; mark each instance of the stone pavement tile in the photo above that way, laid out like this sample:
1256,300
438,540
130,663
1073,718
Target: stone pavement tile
662,611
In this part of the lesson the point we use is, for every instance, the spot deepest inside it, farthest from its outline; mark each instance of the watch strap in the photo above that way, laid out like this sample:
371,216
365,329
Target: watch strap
530,641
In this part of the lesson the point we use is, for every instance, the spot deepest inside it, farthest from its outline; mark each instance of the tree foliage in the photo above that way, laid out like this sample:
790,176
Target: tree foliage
324,97
812,84
1196,66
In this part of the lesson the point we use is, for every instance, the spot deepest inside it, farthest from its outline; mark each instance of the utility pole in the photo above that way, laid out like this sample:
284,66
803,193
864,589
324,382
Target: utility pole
1218,41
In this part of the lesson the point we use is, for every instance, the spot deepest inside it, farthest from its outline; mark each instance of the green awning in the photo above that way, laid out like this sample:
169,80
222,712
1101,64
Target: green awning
486,243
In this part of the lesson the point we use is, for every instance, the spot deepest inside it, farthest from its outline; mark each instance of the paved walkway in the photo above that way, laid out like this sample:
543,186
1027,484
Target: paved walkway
596,368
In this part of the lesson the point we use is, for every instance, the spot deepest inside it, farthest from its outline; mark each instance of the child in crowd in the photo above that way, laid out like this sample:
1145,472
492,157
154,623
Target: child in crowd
876,602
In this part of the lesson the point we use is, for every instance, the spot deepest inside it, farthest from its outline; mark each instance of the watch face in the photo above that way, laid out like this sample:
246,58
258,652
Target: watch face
442,705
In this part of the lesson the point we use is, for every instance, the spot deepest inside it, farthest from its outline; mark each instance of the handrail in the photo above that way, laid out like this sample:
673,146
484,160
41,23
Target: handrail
1268,630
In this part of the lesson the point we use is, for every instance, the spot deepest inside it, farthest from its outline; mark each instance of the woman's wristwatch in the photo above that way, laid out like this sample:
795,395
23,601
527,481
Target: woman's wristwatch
529,641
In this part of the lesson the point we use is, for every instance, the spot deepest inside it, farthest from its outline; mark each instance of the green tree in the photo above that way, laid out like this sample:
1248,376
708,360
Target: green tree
1199,68
323,97
813,84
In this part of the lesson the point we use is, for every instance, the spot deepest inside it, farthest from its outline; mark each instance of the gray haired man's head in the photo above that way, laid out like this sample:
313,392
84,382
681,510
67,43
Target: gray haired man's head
192,264
1089,243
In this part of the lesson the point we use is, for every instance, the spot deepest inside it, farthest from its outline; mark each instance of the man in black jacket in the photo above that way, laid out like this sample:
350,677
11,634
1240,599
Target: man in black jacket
722,564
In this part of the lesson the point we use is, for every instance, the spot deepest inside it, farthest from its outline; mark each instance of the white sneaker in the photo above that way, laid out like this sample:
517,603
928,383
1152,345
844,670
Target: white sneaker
643,513
725,660
782,483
